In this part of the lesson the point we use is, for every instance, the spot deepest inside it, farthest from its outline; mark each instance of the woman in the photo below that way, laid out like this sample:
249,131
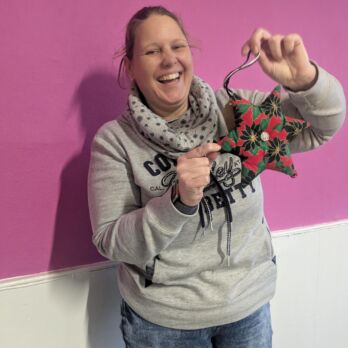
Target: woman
184,279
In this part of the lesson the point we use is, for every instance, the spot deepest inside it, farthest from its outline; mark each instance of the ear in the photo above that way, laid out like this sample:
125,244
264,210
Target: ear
128,66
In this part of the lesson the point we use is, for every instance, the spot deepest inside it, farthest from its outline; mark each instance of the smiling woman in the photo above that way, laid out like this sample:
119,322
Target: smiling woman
161,66
191,273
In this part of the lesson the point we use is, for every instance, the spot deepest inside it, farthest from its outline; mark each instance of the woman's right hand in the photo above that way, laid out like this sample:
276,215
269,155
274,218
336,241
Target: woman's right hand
283,58
193,172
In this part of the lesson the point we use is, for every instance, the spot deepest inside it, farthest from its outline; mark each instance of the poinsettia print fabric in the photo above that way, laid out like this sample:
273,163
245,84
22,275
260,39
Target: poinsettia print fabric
261,136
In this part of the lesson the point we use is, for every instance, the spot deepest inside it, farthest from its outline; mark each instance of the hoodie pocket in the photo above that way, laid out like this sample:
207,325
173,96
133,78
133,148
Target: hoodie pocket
269,237
150,271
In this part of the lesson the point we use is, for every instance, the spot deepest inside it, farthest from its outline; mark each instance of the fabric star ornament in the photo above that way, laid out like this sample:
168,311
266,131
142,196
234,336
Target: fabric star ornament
261,136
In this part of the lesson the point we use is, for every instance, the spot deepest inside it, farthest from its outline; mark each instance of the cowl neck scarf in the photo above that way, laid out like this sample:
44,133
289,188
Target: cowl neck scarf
195,127
198,125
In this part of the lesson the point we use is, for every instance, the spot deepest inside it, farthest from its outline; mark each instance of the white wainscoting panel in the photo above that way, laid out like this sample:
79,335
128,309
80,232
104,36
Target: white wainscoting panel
79,308
311,303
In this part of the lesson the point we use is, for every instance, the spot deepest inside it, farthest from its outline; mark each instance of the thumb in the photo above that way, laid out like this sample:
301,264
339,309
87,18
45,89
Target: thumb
212,156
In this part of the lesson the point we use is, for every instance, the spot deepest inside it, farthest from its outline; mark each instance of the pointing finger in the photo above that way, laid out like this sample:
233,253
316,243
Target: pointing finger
202,151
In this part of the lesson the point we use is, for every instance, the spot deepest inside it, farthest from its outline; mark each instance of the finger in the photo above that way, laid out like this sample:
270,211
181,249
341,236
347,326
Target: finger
186,173
288,44
274,51
254,43
184,163
291,43
198,182
202,150
212,156
246,48
209,148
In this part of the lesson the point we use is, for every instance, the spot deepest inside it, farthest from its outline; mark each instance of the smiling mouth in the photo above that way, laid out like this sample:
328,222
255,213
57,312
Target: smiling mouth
169,78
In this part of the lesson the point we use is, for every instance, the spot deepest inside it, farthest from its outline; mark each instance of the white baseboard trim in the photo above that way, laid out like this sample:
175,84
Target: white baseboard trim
45,277
339,224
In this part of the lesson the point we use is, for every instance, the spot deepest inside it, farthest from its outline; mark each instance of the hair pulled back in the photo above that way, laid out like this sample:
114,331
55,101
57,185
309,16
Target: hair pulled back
134,22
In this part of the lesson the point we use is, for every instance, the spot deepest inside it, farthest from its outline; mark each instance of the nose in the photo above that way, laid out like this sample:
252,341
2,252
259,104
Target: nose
168,57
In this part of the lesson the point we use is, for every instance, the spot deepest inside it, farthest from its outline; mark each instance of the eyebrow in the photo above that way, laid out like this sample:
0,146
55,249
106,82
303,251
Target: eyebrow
156,44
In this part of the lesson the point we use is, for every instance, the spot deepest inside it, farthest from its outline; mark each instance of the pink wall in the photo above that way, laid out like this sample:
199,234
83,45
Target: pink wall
57,86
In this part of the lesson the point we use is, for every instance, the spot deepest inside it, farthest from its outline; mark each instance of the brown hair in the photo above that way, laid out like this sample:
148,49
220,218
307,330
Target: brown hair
134,22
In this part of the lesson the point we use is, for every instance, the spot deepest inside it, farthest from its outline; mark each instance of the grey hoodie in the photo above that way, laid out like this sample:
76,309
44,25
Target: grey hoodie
193,283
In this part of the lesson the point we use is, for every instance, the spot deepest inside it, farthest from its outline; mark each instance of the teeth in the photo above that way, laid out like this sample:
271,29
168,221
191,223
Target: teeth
169,77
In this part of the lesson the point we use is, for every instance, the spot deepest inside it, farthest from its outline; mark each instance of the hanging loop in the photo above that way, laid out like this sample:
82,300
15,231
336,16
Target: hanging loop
245,65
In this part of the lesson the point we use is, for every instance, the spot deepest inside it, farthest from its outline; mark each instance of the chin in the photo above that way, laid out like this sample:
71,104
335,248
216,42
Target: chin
179,102
177,97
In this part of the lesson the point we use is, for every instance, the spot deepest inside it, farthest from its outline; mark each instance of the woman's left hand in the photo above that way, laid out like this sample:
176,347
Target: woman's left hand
283,58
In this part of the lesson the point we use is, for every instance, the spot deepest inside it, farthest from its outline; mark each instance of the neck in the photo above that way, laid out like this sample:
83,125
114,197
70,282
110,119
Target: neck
171,114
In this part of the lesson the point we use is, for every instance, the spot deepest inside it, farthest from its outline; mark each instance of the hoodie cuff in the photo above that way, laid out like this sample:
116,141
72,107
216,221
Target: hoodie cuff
312,96
180,206
185,209
311,84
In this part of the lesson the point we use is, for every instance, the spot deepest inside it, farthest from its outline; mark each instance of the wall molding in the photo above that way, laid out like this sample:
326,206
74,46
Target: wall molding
310,229
44,277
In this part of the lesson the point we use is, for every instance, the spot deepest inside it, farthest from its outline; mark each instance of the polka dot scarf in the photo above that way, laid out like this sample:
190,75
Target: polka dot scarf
197,126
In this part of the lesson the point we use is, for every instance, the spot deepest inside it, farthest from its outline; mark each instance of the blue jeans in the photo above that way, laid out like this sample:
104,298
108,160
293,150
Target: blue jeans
254,331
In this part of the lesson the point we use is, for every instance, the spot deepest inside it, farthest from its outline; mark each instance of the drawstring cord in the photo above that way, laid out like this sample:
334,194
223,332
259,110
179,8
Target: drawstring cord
229,218
201,215
204,208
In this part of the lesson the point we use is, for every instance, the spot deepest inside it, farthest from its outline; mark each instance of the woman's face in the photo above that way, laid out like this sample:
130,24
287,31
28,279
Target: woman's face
162,66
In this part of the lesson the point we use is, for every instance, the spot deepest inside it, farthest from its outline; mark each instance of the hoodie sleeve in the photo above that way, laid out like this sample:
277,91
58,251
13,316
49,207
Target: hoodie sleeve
323,106
123,229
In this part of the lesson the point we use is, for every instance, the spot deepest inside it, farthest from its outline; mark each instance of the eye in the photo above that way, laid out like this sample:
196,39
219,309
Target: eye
179,46
152,52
